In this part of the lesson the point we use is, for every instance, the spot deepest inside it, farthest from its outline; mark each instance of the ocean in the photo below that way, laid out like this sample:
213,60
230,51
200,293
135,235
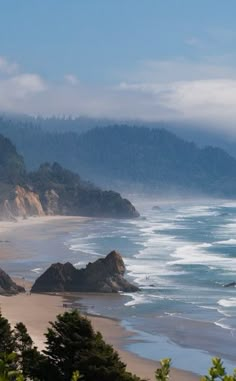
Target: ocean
181,254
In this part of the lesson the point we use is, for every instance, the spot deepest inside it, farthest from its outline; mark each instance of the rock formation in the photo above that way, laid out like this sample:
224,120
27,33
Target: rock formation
27,203
51,202
106,275
7,286
22,202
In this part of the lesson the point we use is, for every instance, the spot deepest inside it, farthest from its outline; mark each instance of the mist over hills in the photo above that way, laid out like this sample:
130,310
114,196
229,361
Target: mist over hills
126,157
23,128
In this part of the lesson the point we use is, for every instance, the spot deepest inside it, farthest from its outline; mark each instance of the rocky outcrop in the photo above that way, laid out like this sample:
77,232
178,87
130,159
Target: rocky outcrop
6,213
22,203
7,286
27,203
52,202
105,275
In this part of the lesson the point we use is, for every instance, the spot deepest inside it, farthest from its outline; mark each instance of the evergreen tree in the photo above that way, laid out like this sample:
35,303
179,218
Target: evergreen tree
29,358
72,345
7,342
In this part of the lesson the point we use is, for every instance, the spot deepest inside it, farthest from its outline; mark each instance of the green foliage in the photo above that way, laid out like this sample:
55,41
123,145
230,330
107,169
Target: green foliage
74,351
7,344
163,373
217,372
8,368
22,339
72,344
29,359
75,376
12,167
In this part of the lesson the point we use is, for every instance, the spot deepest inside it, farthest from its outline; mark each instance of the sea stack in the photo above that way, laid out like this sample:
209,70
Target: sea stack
106,275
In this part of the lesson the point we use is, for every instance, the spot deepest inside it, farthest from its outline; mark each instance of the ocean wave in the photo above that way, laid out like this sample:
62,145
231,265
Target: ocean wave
220,323
137,299
37,270
230,302
194,254
230,241
84,247
197,211
146,272
78,264
156,245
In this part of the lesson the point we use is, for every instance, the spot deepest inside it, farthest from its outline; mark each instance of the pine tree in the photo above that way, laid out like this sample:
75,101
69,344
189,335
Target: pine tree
7,342
73,345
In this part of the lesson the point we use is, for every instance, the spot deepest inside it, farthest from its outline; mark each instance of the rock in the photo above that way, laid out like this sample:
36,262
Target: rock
6,212
7,286
52,202
156,207
22,203
27,203
104,275
232,284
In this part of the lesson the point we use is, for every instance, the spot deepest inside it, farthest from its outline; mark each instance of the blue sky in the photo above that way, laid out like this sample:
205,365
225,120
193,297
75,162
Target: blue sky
130,58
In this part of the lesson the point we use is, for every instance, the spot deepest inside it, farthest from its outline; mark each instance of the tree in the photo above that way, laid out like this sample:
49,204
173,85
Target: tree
30,360
7,342
72,344
8,368
163,373
217,372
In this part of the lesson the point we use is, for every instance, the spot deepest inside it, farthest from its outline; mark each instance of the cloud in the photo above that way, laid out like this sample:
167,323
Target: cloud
16,91
7,67
200,99
180,69
71,79
152,91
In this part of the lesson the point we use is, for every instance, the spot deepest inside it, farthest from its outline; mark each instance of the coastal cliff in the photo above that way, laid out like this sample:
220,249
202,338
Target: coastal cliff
52,190
21,203
106,275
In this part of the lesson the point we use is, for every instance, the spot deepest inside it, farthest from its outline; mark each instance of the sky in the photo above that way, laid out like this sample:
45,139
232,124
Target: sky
127,59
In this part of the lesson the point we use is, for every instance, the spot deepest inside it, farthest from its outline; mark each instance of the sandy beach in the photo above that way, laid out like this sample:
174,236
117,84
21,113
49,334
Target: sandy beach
37,310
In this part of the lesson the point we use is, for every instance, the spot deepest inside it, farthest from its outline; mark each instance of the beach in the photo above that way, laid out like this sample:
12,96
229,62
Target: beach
37,310
168,317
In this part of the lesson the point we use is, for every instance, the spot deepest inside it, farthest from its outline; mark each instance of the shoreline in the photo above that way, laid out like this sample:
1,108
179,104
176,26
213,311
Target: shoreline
6,226
37,310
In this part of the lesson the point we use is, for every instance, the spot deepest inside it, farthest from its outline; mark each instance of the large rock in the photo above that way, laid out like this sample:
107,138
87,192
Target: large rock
22,202
7,286
104,275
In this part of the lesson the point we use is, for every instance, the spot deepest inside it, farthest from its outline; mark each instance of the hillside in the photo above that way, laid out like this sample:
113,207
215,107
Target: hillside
52,190
156,158
133,158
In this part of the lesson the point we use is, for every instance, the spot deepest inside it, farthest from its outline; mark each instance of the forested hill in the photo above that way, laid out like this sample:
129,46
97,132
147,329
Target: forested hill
153,159
52,190
157,159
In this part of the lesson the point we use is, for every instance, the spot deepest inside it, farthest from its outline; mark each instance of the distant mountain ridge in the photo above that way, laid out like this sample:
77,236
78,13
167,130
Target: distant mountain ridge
52,190
133,158
156,158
